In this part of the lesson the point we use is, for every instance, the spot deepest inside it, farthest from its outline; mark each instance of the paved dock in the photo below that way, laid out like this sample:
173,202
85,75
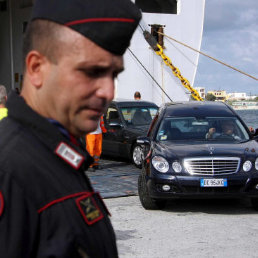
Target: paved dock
115,179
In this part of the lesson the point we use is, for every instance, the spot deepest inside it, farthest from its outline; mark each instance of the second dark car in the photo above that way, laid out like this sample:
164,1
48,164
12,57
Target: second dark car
125,120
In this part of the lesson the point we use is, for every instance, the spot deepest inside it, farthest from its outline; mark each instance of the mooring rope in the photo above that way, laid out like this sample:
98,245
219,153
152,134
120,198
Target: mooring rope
223,63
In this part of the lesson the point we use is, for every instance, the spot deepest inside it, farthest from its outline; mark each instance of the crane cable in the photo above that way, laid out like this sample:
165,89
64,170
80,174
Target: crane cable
149,73
208,56
159,51
178,74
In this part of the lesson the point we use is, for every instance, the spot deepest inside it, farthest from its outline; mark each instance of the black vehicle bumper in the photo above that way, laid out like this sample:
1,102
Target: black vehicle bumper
189,187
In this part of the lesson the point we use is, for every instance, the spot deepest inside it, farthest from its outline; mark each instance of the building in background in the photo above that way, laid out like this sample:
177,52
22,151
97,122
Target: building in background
244,105
251,97
201,91
221,95
236,96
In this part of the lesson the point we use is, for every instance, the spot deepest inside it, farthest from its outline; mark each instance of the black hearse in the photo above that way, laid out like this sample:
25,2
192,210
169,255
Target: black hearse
189,152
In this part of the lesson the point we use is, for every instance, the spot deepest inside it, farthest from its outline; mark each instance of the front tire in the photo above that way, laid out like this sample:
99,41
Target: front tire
147,202
137,155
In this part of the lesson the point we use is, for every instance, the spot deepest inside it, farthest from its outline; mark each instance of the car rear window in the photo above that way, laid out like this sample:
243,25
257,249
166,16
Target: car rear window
135,116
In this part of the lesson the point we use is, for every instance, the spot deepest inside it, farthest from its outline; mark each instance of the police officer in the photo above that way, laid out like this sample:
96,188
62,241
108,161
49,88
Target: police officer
73,51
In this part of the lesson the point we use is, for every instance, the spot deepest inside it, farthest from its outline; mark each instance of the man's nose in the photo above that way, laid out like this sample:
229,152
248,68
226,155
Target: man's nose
106,88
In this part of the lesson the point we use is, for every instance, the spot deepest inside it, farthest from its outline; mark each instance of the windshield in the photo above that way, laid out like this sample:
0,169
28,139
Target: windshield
135,116
204,129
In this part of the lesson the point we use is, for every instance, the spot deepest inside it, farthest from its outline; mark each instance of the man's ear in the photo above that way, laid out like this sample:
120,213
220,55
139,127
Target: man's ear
35,67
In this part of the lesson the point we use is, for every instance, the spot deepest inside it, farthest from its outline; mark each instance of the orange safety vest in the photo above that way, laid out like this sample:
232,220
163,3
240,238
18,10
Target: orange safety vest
102,125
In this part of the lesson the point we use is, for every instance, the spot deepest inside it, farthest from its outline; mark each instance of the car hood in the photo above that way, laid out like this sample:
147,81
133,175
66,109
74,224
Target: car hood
182,150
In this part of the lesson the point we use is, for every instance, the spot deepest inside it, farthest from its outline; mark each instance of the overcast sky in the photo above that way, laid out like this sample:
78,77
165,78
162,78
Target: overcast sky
230,35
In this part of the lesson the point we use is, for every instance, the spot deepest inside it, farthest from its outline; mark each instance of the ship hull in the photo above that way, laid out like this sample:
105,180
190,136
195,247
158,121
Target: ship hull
185,26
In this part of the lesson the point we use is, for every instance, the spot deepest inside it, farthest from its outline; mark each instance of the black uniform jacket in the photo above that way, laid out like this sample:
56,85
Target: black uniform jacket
47,205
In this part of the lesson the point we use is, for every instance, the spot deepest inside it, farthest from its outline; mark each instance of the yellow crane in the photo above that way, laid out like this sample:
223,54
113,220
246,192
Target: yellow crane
159,51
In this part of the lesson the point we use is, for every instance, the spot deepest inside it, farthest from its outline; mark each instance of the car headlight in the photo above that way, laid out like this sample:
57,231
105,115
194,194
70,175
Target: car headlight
256,164
177,166
247,166
160,164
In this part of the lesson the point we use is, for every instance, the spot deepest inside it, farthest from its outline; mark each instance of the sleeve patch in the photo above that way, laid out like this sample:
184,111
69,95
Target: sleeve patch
1,203
89,209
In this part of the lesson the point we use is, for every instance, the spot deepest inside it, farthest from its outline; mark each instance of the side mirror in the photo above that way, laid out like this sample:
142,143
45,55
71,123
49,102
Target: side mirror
143,140
145,143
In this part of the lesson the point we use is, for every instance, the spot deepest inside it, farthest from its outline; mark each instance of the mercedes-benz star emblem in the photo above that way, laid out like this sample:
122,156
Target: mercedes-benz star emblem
211,149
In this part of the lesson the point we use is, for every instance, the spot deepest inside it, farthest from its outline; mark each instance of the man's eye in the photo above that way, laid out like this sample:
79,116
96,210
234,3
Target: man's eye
93,72
115,75
117,72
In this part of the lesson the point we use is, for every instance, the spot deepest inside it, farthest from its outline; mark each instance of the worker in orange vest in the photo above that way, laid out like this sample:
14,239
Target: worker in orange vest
3,98
94,144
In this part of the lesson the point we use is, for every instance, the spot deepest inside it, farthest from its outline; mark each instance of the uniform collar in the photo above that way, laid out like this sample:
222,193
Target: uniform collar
45,131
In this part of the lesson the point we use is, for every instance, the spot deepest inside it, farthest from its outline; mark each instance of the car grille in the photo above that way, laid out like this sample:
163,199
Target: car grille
212,166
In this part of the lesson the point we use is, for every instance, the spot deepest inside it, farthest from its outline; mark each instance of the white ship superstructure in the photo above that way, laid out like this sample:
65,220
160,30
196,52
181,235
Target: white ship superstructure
180,19
185,26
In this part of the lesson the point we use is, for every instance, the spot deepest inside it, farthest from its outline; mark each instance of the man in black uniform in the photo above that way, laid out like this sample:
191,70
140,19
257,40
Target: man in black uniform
73,51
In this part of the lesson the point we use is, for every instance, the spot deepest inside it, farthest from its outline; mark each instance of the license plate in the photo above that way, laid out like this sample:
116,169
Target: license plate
213,182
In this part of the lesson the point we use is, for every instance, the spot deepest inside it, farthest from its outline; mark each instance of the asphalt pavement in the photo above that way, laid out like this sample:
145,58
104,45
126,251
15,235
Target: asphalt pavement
184,229
117,178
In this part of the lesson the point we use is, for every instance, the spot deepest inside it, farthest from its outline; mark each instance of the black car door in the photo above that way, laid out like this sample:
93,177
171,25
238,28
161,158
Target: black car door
113,141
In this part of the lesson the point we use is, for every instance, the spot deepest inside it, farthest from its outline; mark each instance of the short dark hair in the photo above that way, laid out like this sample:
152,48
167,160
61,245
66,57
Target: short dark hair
43,36
137,94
